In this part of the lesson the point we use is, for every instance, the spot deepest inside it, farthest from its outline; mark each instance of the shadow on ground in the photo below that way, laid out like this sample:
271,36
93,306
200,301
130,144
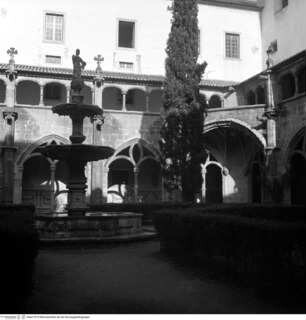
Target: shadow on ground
136,278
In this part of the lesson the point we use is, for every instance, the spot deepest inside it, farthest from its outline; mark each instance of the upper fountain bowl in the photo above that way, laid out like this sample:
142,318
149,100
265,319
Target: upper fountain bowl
82,110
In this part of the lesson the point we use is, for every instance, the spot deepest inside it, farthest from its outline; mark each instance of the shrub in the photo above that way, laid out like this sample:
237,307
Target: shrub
265,242
18,249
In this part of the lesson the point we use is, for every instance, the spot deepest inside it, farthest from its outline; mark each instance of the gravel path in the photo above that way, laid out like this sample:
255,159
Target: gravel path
131,278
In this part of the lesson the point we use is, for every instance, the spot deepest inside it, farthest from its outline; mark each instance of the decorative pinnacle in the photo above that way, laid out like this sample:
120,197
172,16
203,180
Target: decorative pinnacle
269,60
99,59
11,73
11,52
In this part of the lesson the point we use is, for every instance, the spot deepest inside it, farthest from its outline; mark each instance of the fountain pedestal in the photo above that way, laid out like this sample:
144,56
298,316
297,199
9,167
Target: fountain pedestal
77,154
78,223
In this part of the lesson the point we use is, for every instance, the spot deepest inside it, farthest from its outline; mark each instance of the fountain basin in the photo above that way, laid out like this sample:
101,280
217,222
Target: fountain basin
91,226
82,152
82,110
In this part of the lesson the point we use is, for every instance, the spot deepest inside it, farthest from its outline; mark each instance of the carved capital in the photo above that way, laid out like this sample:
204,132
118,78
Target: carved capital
10,116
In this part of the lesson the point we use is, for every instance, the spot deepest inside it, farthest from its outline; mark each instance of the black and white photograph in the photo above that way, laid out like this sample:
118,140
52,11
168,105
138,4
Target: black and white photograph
152,158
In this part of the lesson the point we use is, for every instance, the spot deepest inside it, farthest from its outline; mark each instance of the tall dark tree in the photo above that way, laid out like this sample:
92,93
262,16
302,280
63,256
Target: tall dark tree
182,132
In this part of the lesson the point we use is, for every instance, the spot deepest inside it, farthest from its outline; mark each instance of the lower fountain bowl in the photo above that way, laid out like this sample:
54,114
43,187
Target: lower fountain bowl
92,226
82,152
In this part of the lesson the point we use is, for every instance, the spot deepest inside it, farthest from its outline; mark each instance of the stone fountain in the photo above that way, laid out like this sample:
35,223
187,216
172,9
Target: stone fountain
79,222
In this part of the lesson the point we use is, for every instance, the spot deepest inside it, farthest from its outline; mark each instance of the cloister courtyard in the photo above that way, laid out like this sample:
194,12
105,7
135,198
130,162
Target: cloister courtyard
138,278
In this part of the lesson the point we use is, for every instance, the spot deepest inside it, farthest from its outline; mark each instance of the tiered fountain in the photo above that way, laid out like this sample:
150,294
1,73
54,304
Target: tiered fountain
79,222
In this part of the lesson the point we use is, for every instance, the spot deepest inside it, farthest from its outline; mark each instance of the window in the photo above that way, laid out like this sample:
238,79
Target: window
284,3
52,91
53,59
126,34
232,45
287,85
54,27
251,98
215,102
127,66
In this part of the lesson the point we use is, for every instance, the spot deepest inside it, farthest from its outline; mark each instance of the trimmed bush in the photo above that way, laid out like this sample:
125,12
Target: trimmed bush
18,249
147,209
266,243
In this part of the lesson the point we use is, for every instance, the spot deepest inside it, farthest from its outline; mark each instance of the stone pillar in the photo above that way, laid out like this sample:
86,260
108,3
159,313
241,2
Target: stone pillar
147,101
124,100
136,172
52,179
97,96
8,155
68,89
203,172
41,96
18,185
10,94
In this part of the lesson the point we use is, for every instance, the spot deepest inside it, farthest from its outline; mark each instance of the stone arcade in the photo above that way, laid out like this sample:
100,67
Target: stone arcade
254,129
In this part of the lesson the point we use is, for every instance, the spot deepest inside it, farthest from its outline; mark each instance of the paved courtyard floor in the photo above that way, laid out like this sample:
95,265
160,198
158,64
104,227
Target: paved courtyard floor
132,278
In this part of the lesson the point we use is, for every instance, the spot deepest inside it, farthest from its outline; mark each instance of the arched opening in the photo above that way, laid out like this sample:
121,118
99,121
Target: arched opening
155,101
287,85
28,92
301,76
298,179
261,95
215,102
134,173
54,93
2,91
213,184
235,147
60,186
36,184
136,100
112,98
251,98
149,181
256,187
120,181
87,95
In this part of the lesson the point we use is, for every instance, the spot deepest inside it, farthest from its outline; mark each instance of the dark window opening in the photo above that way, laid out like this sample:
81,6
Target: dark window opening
302,80
215,102
52,92
284,3
287,84
261,95
251,98
126,34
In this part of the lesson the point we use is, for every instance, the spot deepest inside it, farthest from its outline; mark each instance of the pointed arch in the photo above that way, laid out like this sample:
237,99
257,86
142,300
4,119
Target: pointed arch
27,151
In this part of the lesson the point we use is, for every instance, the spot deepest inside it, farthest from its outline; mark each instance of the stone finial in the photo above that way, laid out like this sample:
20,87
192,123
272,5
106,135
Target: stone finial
99,59
98,79
11,73
269,61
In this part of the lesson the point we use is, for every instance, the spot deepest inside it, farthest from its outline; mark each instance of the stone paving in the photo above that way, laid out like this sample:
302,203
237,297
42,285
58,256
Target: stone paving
132,278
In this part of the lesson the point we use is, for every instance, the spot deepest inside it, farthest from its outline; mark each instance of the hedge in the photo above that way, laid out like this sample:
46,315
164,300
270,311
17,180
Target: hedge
18,249
265,243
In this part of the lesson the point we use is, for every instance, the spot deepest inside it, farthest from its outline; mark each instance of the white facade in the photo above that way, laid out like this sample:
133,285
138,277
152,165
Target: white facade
93,27
285,24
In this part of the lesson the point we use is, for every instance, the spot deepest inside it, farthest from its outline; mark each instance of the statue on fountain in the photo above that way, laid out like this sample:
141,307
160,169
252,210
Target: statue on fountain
79,64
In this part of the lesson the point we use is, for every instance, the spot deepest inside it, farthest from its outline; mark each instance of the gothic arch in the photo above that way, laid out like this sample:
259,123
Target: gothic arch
27,151
2,91
130,144
235,123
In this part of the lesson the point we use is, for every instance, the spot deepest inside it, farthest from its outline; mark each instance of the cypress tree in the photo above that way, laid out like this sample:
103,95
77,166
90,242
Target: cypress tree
182,131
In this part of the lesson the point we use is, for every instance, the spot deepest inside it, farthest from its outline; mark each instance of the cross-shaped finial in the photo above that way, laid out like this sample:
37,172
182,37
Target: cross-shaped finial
269,61
11,73
99,59
11,52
